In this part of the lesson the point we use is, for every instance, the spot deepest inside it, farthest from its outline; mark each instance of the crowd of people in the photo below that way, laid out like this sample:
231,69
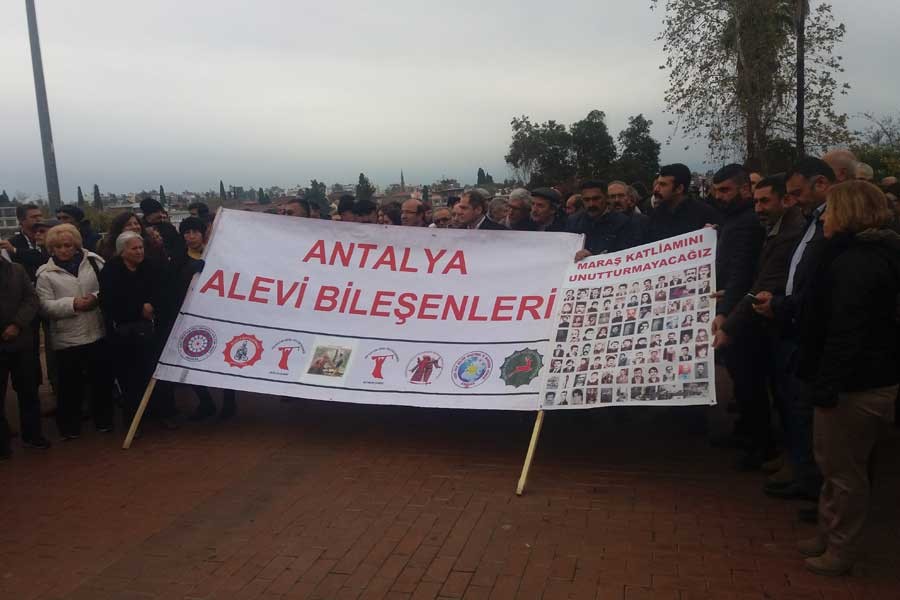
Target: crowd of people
806,322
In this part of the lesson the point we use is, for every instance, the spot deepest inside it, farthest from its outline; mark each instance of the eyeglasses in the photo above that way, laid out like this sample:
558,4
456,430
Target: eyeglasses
617,196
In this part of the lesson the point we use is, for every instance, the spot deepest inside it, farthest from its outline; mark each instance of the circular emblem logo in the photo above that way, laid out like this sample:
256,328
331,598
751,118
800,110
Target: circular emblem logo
243,351
472,369
197,343
521,367
424,368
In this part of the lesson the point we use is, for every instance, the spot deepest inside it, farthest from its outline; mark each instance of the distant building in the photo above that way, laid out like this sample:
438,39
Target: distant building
9,223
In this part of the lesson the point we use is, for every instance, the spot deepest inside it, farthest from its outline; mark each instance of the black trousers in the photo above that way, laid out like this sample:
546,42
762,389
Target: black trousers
133,361
20,365
83,368
751,364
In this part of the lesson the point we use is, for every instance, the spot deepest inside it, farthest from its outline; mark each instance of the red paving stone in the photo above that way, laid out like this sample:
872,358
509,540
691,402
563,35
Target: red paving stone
313,500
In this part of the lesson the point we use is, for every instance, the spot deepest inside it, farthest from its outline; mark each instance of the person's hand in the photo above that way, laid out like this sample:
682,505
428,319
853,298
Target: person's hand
717,295
582,254
764,307
6,245
89,302
11,332
147,312
720,338
80,304
717,323
710,226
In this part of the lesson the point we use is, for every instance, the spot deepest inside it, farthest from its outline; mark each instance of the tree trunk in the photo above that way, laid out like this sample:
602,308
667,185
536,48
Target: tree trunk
800,23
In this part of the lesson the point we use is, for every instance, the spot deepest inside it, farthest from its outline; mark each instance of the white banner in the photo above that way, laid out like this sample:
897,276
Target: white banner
370,313
634,328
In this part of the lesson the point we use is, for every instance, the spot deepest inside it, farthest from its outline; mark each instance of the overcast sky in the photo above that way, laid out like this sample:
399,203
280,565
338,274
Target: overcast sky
276,92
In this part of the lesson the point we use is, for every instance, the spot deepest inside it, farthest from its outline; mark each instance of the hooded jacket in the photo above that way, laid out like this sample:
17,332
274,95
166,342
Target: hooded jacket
849,328
57,290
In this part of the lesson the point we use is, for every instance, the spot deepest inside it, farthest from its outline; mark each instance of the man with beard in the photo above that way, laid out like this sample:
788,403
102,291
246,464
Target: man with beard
604,230
675,212
739,245
623,199
519,218
808,183
545,210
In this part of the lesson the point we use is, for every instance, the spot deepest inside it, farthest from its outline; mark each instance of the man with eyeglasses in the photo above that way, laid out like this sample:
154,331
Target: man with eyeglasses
412,213
623,199
519,217
440,218
604,230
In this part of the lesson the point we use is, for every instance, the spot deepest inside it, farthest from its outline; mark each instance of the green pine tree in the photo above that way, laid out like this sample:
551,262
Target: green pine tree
98,202
80,197
162,196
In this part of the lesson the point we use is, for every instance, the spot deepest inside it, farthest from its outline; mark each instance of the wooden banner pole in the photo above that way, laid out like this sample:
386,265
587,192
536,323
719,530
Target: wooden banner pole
136,421
535,434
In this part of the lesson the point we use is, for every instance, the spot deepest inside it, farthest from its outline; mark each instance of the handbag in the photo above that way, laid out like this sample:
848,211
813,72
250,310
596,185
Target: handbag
142,329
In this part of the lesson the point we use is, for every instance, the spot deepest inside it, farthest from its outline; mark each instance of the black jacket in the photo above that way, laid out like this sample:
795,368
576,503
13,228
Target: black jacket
491,225
525,224
559,224
609,233
18,305
739,244
787,308
123,293
27,256
689,216
848,325
638,223
772,272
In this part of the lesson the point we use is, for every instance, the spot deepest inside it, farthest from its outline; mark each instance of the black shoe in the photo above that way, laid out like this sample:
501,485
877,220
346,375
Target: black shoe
730,440
809,514
68,437
749,462
790,491
38,443
105,429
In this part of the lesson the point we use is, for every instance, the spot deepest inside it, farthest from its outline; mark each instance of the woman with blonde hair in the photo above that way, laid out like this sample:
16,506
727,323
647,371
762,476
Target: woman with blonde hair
68,286
850,354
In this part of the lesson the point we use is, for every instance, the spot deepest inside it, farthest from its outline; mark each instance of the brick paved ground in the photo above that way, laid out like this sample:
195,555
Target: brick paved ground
314,500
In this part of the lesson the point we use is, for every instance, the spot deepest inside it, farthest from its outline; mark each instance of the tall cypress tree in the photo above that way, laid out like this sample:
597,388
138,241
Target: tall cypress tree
222,195
80,197
98,202
162,196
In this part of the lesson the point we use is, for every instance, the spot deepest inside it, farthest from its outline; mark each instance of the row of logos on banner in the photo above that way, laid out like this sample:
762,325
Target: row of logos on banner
331,359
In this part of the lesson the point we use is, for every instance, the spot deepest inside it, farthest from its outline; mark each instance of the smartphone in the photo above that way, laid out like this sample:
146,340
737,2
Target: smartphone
754,299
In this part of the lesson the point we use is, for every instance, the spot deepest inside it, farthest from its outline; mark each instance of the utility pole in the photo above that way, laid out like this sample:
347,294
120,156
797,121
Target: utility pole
40,91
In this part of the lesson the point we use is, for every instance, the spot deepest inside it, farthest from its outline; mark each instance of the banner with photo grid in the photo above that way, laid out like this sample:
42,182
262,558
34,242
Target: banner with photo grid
634,328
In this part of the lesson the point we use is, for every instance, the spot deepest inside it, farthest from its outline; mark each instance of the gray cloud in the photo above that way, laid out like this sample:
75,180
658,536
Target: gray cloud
278,92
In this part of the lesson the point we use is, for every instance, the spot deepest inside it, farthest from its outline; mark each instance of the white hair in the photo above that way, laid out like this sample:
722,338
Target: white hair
124,238
521,194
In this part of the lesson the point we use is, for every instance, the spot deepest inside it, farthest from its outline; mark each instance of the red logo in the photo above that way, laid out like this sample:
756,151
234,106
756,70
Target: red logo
424,368
380,358
243,350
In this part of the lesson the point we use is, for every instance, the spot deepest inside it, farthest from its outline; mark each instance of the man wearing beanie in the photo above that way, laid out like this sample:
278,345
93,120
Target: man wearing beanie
71,214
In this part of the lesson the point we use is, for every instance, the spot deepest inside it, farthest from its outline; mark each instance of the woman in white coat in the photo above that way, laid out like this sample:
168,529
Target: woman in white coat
68,287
